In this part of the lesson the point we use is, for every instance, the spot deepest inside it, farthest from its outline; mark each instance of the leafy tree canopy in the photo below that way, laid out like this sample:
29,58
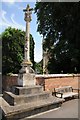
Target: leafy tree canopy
13,50
59,23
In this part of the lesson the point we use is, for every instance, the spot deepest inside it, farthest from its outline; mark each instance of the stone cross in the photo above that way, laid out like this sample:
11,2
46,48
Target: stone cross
28,12
26,74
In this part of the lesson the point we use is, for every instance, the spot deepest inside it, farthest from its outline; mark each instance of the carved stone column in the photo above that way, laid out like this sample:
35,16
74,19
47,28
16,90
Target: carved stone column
26,74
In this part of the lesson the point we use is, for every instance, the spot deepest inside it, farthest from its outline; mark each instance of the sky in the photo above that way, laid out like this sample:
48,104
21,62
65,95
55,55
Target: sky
12,15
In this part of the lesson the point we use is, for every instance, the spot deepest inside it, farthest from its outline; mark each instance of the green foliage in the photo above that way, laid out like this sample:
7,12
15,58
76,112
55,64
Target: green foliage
13,50
39,67
32,44
59,24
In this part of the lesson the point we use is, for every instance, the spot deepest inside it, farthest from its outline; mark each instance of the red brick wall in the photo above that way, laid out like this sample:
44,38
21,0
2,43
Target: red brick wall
9,81
49,82
52,82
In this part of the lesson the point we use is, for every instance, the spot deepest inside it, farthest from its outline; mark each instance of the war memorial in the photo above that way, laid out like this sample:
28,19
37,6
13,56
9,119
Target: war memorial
27,98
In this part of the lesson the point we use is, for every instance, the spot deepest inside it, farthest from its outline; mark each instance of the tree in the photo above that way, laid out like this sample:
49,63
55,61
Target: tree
13,50
39,67
32,51
59,24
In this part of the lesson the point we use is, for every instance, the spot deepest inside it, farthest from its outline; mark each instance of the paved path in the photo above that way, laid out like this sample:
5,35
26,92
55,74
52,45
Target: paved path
68,109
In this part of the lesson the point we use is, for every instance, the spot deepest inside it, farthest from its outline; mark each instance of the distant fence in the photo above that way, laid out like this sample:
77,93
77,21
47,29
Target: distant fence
49,82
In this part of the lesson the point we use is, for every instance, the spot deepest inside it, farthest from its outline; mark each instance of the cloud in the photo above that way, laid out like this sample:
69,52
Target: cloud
12,1
9,1
5,23
15,23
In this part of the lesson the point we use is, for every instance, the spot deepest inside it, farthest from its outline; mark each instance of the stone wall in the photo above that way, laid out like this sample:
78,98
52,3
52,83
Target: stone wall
49,82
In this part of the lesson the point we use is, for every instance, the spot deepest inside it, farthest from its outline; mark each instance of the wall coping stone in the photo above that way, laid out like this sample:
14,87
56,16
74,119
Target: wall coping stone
14,75
49,75
56,75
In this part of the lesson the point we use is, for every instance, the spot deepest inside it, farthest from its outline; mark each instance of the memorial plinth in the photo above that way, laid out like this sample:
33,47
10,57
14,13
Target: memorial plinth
26,79
26,101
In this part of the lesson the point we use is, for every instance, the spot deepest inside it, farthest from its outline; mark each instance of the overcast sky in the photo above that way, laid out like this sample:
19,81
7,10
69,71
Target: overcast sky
12,15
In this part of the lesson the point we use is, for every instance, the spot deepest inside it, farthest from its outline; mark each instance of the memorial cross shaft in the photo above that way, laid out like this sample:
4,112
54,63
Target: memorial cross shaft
28,12
26,74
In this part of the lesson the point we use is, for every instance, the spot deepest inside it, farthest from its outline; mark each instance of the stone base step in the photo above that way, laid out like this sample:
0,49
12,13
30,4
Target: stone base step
13,99
28,90
26,110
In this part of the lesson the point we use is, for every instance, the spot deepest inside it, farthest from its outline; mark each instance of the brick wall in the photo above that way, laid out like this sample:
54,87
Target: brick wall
48,81
52,81
9,81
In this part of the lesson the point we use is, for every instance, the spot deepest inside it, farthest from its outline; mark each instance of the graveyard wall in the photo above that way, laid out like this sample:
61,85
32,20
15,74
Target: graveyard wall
9,81
49,82
58,80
